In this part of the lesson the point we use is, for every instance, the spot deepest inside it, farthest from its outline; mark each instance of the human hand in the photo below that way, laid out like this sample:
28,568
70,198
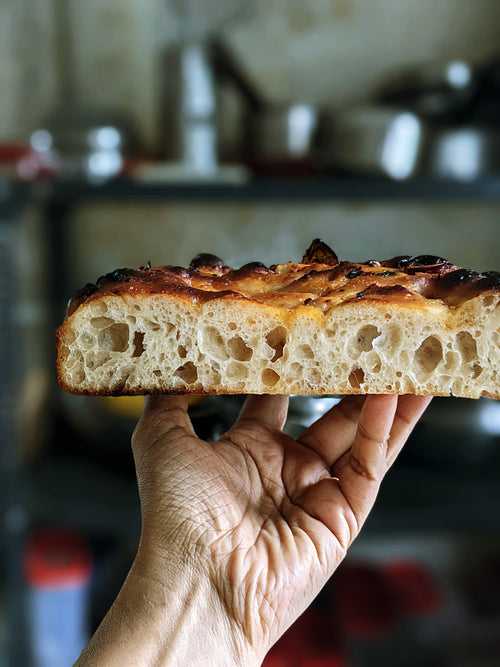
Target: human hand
240,535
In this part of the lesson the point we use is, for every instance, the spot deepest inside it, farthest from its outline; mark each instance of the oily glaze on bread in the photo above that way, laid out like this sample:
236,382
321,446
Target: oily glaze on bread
416,325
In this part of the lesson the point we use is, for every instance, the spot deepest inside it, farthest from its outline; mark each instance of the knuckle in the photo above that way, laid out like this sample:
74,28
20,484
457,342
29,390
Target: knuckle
364,469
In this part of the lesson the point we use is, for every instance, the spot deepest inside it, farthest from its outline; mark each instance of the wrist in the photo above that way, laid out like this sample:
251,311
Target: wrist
167,615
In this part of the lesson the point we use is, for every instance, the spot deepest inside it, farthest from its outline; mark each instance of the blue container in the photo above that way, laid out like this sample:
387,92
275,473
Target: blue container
58,571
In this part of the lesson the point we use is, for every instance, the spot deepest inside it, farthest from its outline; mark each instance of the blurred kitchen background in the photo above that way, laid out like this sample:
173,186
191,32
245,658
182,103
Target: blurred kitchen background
134,131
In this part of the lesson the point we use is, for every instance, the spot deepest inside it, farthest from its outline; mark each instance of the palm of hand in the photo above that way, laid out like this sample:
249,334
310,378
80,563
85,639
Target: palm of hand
267,518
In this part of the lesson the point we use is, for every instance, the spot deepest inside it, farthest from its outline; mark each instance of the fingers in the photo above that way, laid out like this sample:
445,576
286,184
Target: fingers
268,410
332,435
410,409
360,470
161,414
342,502
384,426
369,449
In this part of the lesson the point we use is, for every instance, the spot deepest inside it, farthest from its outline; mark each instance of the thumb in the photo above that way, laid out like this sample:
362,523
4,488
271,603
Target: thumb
161,416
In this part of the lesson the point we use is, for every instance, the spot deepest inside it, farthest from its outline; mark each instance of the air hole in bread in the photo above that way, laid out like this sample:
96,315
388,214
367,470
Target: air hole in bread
114,338
238,349
101,322
305,352
429,355
157,372
138,344
232,326
363,340
169,327
467,346
187,373
270,377
213,344
236,371
356,378
476,370
457,387
99,308
131,319
152,326
181,351
276,339
97,359
296,371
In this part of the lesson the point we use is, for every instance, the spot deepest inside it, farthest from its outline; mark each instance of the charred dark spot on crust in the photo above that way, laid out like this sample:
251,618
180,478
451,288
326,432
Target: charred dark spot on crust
254,266
250,268
206,259
458,277
386,274
118,276
424,263
428,260
384,291
319,253
427,264
461,284
399,262
146,267
490,279
180,271
353,273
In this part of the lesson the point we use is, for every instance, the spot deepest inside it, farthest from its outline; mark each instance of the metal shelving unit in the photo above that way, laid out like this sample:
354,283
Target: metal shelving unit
283,191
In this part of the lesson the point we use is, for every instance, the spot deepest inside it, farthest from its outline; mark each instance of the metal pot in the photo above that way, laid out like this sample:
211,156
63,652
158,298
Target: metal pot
286,134
378,141
463,153
83,145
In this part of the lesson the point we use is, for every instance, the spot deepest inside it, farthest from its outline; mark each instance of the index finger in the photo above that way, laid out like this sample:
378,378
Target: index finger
362,469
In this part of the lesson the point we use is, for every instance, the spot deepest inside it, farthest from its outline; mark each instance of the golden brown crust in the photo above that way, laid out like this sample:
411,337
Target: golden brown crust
320,280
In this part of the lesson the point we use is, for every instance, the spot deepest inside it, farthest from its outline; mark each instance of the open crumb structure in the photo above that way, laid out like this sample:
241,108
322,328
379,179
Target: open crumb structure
417,325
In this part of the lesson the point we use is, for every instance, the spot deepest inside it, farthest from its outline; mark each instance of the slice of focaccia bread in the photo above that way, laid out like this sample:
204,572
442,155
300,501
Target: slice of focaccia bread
409,325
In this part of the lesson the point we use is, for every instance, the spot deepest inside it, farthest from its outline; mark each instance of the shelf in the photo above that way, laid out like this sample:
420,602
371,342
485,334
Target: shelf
276,191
